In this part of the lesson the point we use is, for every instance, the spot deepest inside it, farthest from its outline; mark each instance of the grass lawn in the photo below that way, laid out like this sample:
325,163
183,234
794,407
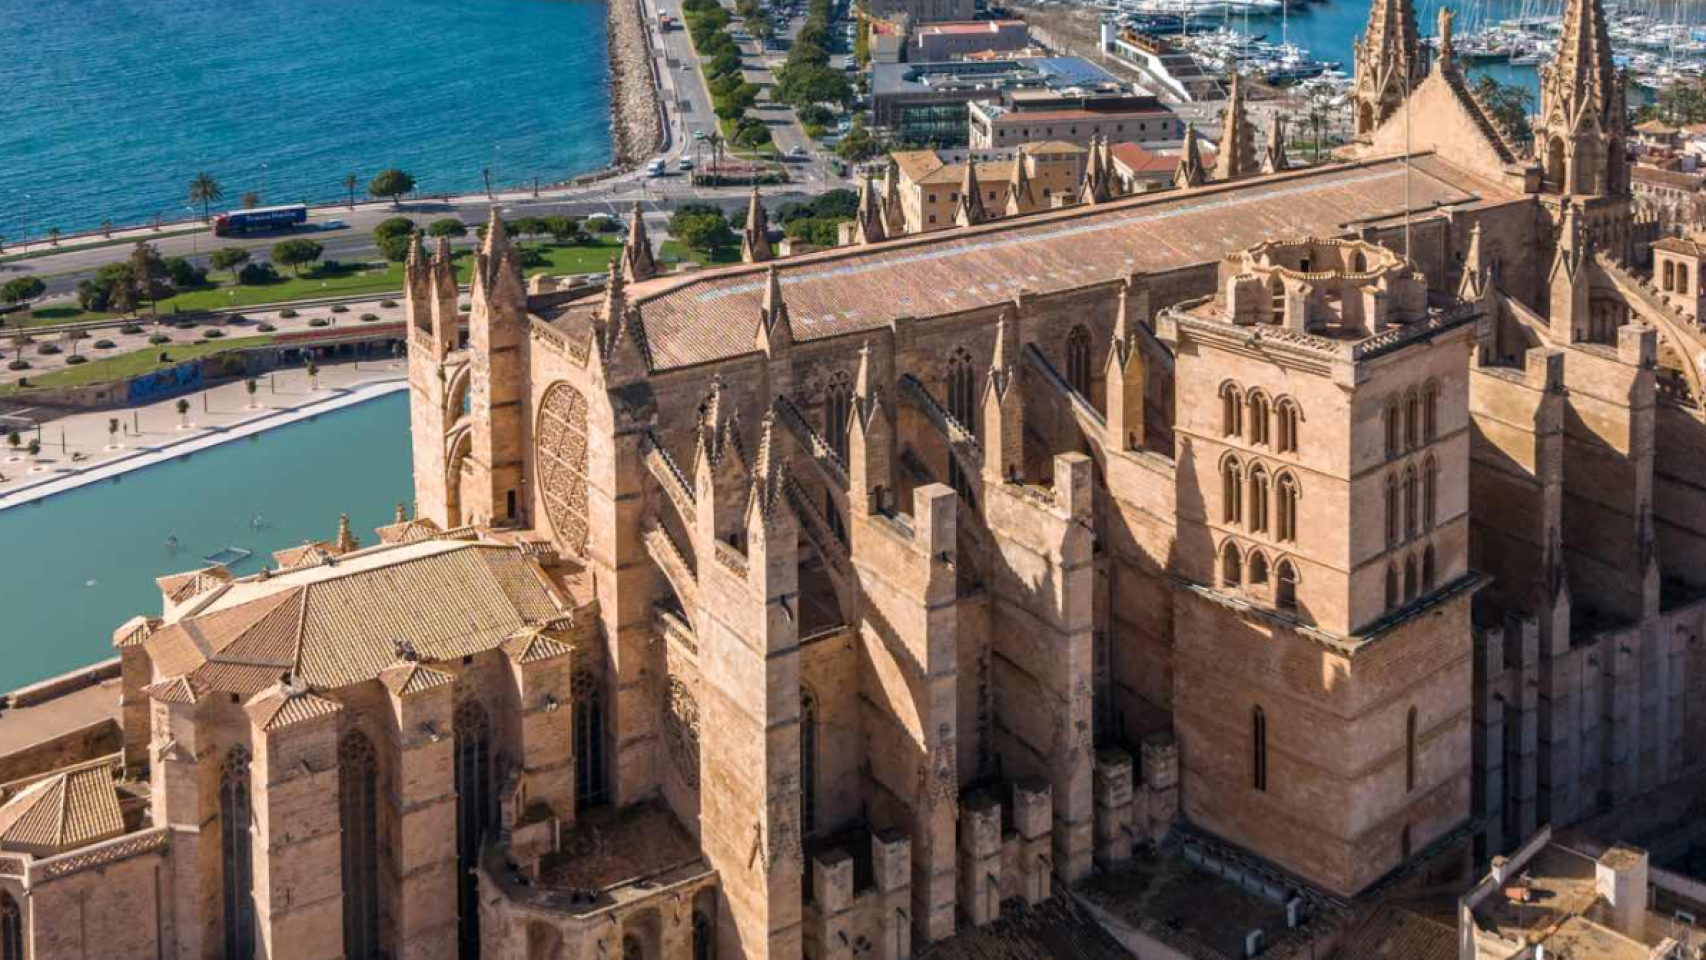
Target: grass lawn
766,152
135,363
674,251
350,279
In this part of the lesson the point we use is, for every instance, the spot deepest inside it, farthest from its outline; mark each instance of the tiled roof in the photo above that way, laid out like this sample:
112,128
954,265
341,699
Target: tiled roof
405,677
69,809
1056,929
710,315
409,531
345,622
1643,173
1393,932
135,630
1685,245
306,555
183,586
279,706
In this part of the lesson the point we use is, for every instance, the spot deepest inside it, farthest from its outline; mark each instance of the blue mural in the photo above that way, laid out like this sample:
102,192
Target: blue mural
164,383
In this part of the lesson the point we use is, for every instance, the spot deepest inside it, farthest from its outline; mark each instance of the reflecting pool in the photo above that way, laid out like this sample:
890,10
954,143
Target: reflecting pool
75,566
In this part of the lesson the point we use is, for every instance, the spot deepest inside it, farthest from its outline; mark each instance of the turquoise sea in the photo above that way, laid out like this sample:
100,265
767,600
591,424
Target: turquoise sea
75,566
111,106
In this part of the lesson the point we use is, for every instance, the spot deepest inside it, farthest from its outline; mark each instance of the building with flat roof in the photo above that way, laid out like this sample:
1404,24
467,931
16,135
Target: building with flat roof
924,11
926,103
1073,115
935,42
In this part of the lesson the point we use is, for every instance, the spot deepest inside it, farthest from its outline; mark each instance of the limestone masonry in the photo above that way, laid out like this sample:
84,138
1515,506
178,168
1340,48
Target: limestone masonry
1183,574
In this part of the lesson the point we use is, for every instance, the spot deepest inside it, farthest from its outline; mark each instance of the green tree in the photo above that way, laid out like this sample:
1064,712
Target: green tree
392,237
22,289
351,182
1509,104
295,253
859,145
563,229
228,258
701,227
206,191
448,227
150,272
391,184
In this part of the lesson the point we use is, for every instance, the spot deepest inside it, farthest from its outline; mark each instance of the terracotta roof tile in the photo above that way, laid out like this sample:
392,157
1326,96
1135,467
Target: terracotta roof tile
135,630
405,678
69,809
409,531
709,316
183,586
279,707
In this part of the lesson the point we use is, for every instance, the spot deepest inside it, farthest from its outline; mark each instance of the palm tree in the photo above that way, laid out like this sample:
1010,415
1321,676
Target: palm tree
313,376
107,229
183,413
205,190
251,386
112,432
53,236
351,181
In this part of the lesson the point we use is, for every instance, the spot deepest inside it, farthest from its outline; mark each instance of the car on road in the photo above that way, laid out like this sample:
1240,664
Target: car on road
797,152
700,135
684,164
655,168
333,225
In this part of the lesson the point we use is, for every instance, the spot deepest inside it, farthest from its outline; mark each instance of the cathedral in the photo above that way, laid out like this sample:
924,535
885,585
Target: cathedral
972,593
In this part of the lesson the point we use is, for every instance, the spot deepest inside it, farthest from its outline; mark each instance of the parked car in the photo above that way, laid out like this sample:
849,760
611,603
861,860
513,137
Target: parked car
655,168
797,152
684,164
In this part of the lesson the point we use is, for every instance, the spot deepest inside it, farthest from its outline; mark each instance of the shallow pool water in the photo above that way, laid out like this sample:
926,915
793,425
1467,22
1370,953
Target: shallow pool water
75,566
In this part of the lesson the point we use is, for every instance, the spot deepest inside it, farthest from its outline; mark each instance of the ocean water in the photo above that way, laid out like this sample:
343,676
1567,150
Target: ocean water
75,566
110,107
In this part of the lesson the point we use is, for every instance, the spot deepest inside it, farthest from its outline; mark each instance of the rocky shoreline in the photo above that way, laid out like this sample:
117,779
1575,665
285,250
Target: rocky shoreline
635,122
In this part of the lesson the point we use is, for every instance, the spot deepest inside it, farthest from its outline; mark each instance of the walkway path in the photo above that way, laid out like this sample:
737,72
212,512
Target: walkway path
79,449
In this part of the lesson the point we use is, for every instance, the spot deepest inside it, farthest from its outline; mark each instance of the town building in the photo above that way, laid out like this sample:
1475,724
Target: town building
937,42
923,11
926,103
930,182
1074,115
1188,573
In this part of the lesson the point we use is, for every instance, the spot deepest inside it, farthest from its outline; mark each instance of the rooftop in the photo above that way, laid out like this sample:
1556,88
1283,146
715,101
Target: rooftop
971,27
710,315
71,808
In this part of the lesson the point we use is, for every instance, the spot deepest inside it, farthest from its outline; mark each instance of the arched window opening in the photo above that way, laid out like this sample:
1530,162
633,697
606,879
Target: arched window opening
1392,510
1258,568
962,406
237,857
1286,415
1258,499
1231,491
590,773
1285,588
475,814
704,939
1410,504
1078,360
1412,419
1682,279
632,949
1670,276
1430,411
1428,573
837,413
11,928
1231,566
1258,418
1276,298
1392,422
1410,751
808,763
1391,586
1231,411
358,816
1404,843
1409,579
1359,263
1258,749
1287,508
1430,494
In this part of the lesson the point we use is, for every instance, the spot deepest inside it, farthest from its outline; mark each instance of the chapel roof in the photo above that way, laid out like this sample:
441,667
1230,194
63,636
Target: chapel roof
68,809
346,621
709,316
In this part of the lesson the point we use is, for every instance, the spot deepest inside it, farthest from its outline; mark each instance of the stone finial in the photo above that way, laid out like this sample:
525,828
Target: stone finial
869,223
615,295
775,332
346,541
1273,153
1447,52
970,210
894,214
755,237
1020,198
401,515
497,235
1237,156
862,379
1474,282
1094,187
1190,172
637,260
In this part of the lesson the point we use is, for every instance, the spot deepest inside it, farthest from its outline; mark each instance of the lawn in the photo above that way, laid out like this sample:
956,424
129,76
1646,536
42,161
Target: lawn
674,251
135,363
342,281
766,152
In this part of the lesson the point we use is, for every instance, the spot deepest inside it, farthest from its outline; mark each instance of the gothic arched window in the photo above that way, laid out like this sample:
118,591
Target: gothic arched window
837,413
1231,490
1231,566
1258,749
1410,579
1285,412
237,856
1078,360
1410,751
704,943
1285,588
1258,417
475,814
1258,499
1430,411
1287,508
589,741
561,448
11,928
1392,510
962,388
808,762
1411,496
1428,572
1257,567
1430,492
1412,418
1391,420
1391,586
1231,411
358,818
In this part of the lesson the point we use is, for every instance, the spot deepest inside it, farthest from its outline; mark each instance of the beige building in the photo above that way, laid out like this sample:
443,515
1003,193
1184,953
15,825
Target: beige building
1028,116
929,184
1317,532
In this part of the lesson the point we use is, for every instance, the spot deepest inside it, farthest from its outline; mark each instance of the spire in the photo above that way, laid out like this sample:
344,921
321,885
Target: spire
444,272
637,259
1389,63
1237,156
755,239
862,379
345,541
1094,187
1579,135
1273,154
497,236
615,294
1020,198
1133,311
970,210
774,331
401,515
869,225
1446,56
894,214
497,271
1474,282
1190,172
1006,345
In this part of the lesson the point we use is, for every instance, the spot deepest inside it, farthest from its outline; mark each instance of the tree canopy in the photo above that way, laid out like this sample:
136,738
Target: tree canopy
20,289
391,184
295,253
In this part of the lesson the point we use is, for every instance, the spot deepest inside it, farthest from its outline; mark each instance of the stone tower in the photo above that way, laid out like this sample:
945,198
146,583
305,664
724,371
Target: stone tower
439,379
1344,768
1237,156
1389,63
497,338
1579,137
755,237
